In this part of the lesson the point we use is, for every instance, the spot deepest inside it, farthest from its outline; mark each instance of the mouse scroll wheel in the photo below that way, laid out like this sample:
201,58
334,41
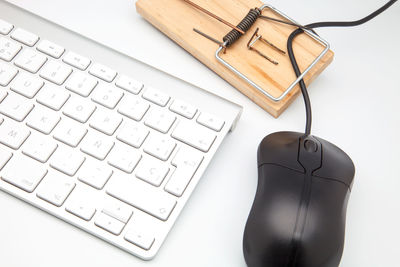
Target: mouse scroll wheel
310,146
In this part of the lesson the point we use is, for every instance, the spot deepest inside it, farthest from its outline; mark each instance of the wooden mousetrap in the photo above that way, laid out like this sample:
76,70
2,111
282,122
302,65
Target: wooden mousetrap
255,62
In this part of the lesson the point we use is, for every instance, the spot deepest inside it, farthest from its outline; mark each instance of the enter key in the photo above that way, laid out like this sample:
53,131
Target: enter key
186,161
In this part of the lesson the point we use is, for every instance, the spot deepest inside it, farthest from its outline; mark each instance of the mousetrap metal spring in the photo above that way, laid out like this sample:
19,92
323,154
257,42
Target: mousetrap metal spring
244,25
242,28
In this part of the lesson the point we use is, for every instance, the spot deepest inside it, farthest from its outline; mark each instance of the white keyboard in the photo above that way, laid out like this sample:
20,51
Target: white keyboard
99,140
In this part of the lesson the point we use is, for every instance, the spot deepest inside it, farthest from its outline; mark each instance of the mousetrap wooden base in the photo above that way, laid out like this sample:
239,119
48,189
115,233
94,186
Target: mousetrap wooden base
177,19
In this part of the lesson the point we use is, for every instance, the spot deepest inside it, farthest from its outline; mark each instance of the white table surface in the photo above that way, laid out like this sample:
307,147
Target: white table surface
355,104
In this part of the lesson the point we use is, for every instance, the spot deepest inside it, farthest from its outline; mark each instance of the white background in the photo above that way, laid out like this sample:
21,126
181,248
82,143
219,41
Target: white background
355,104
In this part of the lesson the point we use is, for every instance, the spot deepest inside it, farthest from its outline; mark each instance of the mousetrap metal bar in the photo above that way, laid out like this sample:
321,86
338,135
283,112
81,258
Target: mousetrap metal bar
239,30
290,88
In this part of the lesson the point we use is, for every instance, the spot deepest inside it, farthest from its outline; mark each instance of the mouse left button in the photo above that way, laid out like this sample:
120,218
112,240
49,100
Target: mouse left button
281,149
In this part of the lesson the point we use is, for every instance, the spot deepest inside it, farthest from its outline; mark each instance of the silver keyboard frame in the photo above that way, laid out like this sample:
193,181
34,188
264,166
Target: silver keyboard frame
176,88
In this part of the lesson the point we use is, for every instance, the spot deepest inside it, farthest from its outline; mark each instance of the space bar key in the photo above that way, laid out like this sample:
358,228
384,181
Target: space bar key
142,196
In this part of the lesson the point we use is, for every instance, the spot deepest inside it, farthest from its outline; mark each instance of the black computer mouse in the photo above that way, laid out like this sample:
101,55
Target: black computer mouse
299,211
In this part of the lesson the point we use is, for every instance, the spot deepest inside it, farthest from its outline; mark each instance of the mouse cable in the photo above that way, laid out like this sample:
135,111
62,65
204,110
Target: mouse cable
296,69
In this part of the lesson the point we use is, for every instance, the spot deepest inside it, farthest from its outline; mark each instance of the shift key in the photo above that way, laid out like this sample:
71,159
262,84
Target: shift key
142,196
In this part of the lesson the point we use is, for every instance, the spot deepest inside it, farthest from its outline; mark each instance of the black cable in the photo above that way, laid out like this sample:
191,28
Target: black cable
319,25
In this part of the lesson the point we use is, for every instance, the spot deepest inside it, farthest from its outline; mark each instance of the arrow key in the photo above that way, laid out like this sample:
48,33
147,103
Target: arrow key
140,239
81,209
109,224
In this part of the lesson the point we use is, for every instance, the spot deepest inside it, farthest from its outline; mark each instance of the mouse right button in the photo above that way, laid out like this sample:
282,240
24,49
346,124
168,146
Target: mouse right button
336,164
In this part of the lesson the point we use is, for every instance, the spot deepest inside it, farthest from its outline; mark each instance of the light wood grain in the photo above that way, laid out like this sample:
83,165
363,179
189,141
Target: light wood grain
177,19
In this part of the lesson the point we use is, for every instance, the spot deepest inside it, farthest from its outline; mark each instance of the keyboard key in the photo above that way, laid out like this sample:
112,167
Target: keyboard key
55,72
139,239
186,161
81,84
210,121
133,134
52,97
97,145
107,96
30,60
156,96
142,196
103,72
43,120
55,189
7,73
50,48
109,224
5,156
26,178
69,132
133,107
129,84
67,160
76,60
5,27
182,108
26,85
95,173
105,122
124,158
117,210
152,171
80,208
194,135
8,48
39,148
13,135
159,120
159,146
25,37
79,109
16,107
